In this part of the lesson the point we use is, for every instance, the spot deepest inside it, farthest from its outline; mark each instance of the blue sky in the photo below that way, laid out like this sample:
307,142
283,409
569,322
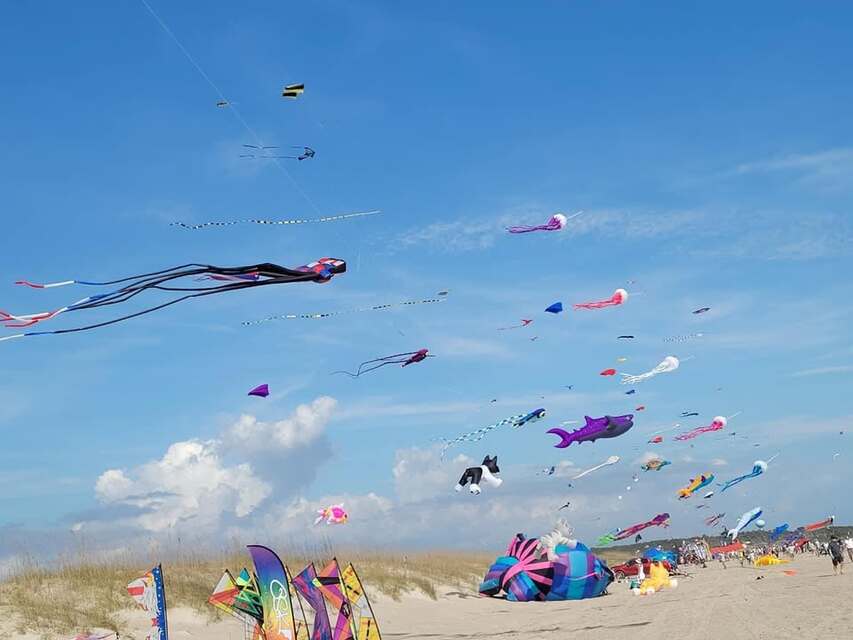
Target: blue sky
710,149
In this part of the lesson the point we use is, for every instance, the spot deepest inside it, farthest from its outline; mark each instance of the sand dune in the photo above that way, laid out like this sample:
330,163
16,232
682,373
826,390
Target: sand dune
713,604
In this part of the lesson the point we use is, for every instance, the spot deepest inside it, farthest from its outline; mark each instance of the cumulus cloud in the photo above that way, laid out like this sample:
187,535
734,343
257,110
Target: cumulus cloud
189,483
305,426
419,474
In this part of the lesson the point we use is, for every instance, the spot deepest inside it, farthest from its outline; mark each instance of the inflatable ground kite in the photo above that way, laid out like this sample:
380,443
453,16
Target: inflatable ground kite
525,573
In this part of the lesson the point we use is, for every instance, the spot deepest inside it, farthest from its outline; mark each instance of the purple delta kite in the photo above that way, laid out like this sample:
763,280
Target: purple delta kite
595,428
261,391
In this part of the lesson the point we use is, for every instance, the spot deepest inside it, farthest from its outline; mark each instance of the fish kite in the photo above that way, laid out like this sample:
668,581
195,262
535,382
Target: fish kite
441,297
403,359
700,481
717,424
620,296
333,514
713,521
668,364
557,222
655,464
293,90
595,428
268,221
557,307
758,467
148,592
608,372
815,526
230,279
261,391
606,463
515,422
745,520
523,324
702,310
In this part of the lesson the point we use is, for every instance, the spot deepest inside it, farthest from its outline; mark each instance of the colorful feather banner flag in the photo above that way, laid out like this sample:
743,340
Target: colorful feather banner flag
304,583
148,592
362,613
328,581
279,622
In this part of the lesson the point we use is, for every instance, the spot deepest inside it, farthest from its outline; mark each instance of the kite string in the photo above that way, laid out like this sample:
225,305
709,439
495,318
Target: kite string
222,97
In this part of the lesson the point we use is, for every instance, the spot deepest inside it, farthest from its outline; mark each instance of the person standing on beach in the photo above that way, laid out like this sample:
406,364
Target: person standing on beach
836,552
848,544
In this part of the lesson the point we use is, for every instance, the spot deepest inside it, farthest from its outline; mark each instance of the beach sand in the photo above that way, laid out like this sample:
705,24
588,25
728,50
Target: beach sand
713,604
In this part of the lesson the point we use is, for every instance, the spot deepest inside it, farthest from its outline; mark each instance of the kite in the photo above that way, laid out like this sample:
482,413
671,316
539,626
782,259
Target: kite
624,337
630,392
293,90
656,440
557,222
523,324
148,592
487,471
819,525
595,428
642,407
658,579
547,471
745,520
702,310
717,424
702,506
689,414
261,391
668,364
304,584
660,520
515,422
565,506
708,495
778,532
557,307
713,521
363,618
403,359
684,338
223,103
702,480
307,152
333,514
232,278
328,582
621,359
758,467
330,314
230,223
608,372
619,297
606,463
655,464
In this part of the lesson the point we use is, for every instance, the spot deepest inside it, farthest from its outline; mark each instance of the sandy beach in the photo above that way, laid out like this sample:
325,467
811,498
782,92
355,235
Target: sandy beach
713,603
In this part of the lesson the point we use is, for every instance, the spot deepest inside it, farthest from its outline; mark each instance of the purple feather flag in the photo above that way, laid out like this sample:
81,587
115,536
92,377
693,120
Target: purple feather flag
261,391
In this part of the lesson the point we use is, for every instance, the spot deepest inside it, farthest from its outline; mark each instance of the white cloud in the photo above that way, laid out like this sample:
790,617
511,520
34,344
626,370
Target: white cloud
419,474
819,371
305,426
190,482
829,169
719,462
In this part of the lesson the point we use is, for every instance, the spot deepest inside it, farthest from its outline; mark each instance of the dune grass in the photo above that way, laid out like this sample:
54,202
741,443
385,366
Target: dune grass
82,593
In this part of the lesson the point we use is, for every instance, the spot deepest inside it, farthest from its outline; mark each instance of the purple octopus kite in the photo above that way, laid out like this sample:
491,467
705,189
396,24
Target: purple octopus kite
555,223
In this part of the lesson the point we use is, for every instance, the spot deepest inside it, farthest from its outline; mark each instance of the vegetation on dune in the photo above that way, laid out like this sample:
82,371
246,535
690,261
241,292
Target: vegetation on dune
83,593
